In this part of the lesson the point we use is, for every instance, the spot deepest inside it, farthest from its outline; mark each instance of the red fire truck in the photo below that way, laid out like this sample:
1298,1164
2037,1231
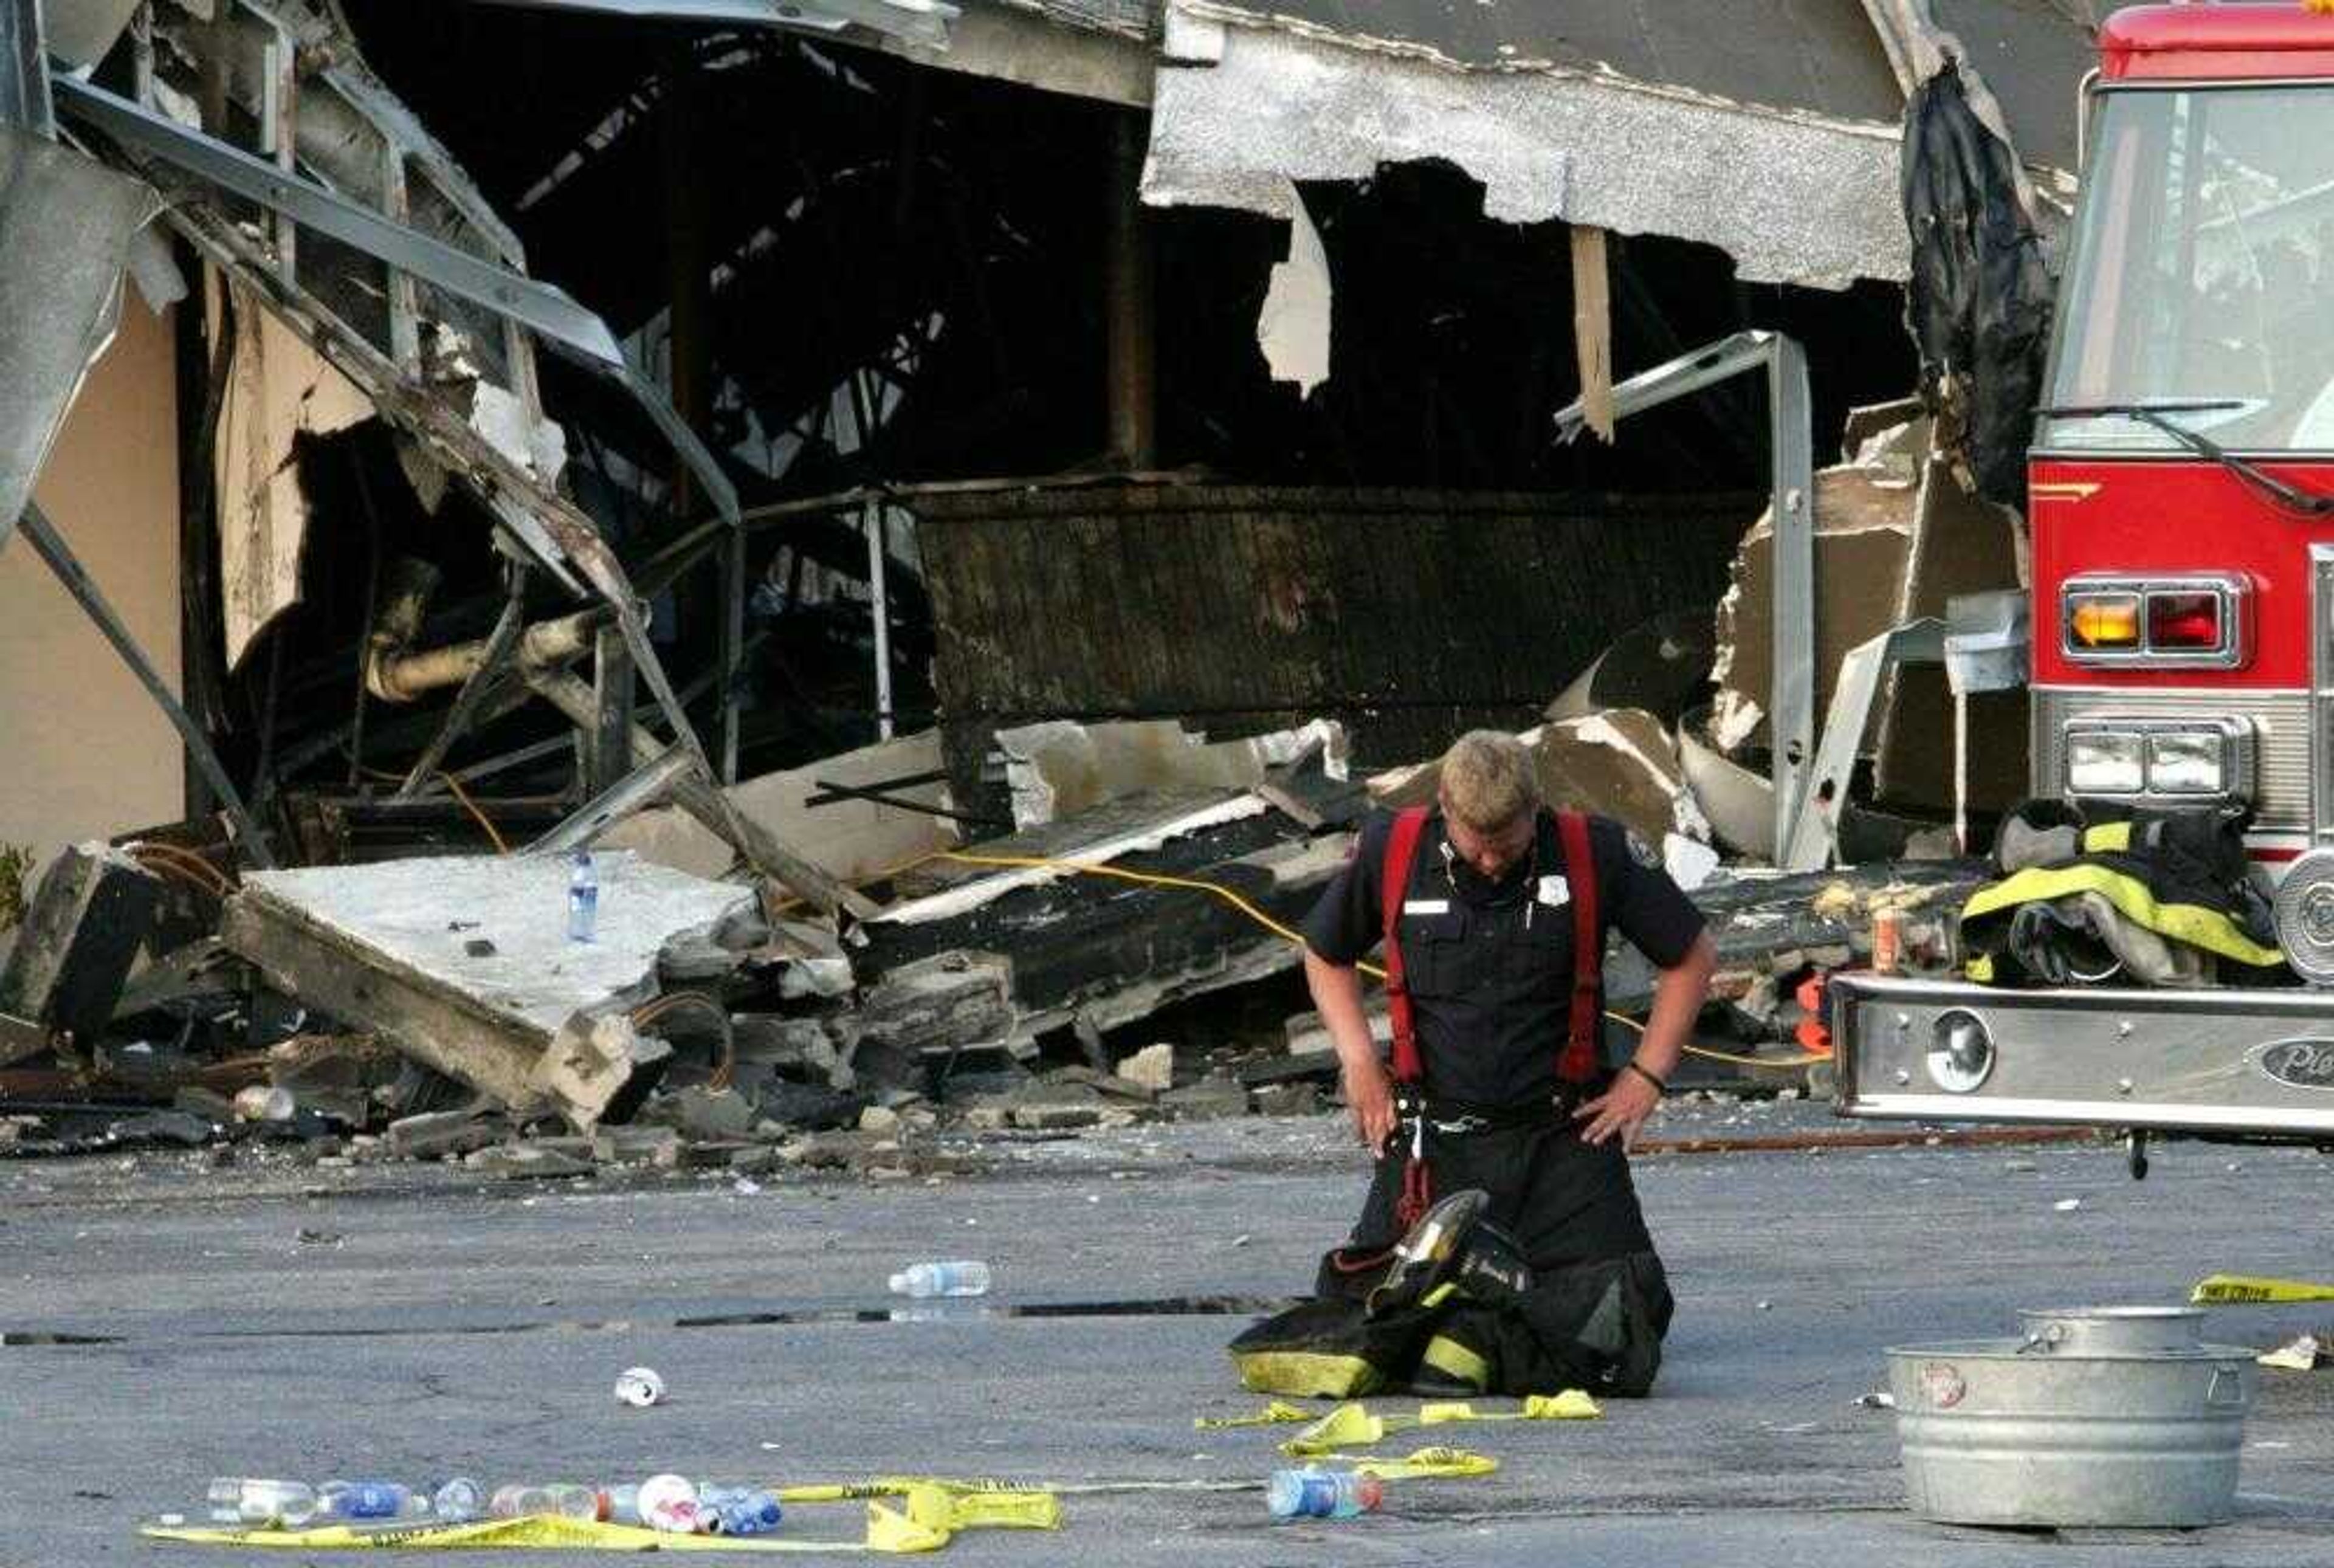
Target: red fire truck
2181,504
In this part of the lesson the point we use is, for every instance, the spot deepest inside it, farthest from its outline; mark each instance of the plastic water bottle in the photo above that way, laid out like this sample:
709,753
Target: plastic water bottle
583,898
669,1503
736,1511
1313,1493
354,1500
240,1500
621,1504
459,1499
518,1502
929,1279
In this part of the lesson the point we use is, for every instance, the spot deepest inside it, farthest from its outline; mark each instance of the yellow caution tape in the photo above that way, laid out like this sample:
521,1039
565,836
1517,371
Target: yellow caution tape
890,1532
2233,1289
1352,1426
1279,1412
964,1505
1425,1464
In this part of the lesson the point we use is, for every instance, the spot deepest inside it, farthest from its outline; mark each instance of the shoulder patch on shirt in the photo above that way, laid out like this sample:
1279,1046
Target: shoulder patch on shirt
1644,853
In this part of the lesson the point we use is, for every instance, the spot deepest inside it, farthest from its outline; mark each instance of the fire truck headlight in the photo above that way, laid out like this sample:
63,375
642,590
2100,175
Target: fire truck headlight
2186,762
2101,761
1960,1052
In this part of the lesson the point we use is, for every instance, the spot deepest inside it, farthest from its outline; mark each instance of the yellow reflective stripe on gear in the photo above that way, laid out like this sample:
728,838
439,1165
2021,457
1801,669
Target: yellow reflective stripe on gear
2235,1289
1440,1294
1305,1374
1451,1358
1980,969
2107,837
2192,923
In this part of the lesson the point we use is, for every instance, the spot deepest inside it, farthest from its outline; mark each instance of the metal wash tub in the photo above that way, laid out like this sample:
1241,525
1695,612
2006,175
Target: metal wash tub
2097,1416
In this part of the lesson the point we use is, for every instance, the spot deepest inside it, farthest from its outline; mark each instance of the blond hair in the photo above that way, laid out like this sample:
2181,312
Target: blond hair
1487,781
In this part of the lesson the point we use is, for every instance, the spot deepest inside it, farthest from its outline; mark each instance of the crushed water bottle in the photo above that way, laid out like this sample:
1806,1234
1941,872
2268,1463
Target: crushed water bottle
1313,1493
621,1504
669,1503
518,1502
738,1511
239,1500
583,898
966,1277
349,1501
459,1500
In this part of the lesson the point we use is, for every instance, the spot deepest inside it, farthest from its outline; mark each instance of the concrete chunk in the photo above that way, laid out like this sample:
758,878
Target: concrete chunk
81,933
1152,1067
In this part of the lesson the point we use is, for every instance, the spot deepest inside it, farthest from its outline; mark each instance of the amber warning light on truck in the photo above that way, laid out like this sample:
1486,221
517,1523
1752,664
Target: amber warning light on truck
2163,622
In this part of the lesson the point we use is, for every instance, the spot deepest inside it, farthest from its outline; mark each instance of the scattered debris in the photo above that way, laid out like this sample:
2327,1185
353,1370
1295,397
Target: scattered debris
2304,1353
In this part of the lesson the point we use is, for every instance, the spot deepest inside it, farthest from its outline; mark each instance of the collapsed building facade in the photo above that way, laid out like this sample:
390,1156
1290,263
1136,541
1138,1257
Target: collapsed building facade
977,443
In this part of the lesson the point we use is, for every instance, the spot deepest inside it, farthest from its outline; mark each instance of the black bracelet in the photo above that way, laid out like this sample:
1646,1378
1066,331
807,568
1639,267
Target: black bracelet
1653,1078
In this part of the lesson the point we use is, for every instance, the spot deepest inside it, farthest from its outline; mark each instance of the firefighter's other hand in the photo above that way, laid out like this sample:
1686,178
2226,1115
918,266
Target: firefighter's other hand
1369,1095
1620,1108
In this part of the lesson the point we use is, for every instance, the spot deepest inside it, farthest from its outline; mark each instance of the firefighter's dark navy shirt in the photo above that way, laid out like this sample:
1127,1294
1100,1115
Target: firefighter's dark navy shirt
1489,964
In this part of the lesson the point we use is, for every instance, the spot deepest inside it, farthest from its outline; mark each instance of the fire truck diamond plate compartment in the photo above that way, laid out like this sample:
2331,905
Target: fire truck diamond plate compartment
2255,1060
2093,1417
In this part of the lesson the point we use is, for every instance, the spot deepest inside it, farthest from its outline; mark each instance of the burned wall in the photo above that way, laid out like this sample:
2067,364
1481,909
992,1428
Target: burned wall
1409,615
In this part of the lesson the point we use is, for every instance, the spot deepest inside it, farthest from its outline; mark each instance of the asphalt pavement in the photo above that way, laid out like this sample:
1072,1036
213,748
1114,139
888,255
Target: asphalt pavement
166,1322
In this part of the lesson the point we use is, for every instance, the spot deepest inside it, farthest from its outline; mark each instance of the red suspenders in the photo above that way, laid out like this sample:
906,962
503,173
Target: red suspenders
1576,1063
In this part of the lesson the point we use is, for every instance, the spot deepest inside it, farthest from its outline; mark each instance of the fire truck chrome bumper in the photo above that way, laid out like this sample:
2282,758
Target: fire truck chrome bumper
2197,1060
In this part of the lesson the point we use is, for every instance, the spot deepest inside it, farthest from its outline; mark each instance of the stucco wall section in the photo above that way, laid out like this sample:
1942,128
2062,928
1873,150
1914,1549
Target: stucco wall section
83,750
1794,197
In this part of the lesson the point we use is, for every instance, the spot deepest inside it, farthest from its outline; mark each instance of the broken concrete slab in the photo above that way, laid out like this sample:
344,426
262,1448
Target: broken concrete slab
852,840
1210,1098
1299,1099
378,945
434,1134
1014,954
523,1161
81,933
1307,1034
635,1145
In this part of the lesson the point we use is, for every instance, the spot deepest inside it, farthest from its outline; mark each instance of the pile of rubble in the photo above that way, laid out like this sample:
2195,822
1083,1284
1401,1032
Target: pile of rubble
443,1007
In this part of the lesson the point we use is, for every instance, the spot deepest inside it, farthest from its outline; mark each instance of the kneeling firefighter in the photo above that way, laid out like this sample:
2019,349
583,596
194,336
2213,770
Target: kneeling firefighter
1501,1248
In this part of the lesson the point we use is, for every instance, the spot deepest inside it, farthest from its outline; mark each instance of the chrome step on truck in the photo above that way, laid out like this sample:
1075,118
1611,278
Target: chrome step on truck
2221,1062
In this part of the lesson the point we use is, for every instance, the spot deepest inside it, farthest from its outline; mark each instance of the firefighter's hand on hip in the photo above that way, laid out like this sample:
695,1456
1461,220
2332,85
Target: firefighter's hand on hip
1622,1108
1369,1095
